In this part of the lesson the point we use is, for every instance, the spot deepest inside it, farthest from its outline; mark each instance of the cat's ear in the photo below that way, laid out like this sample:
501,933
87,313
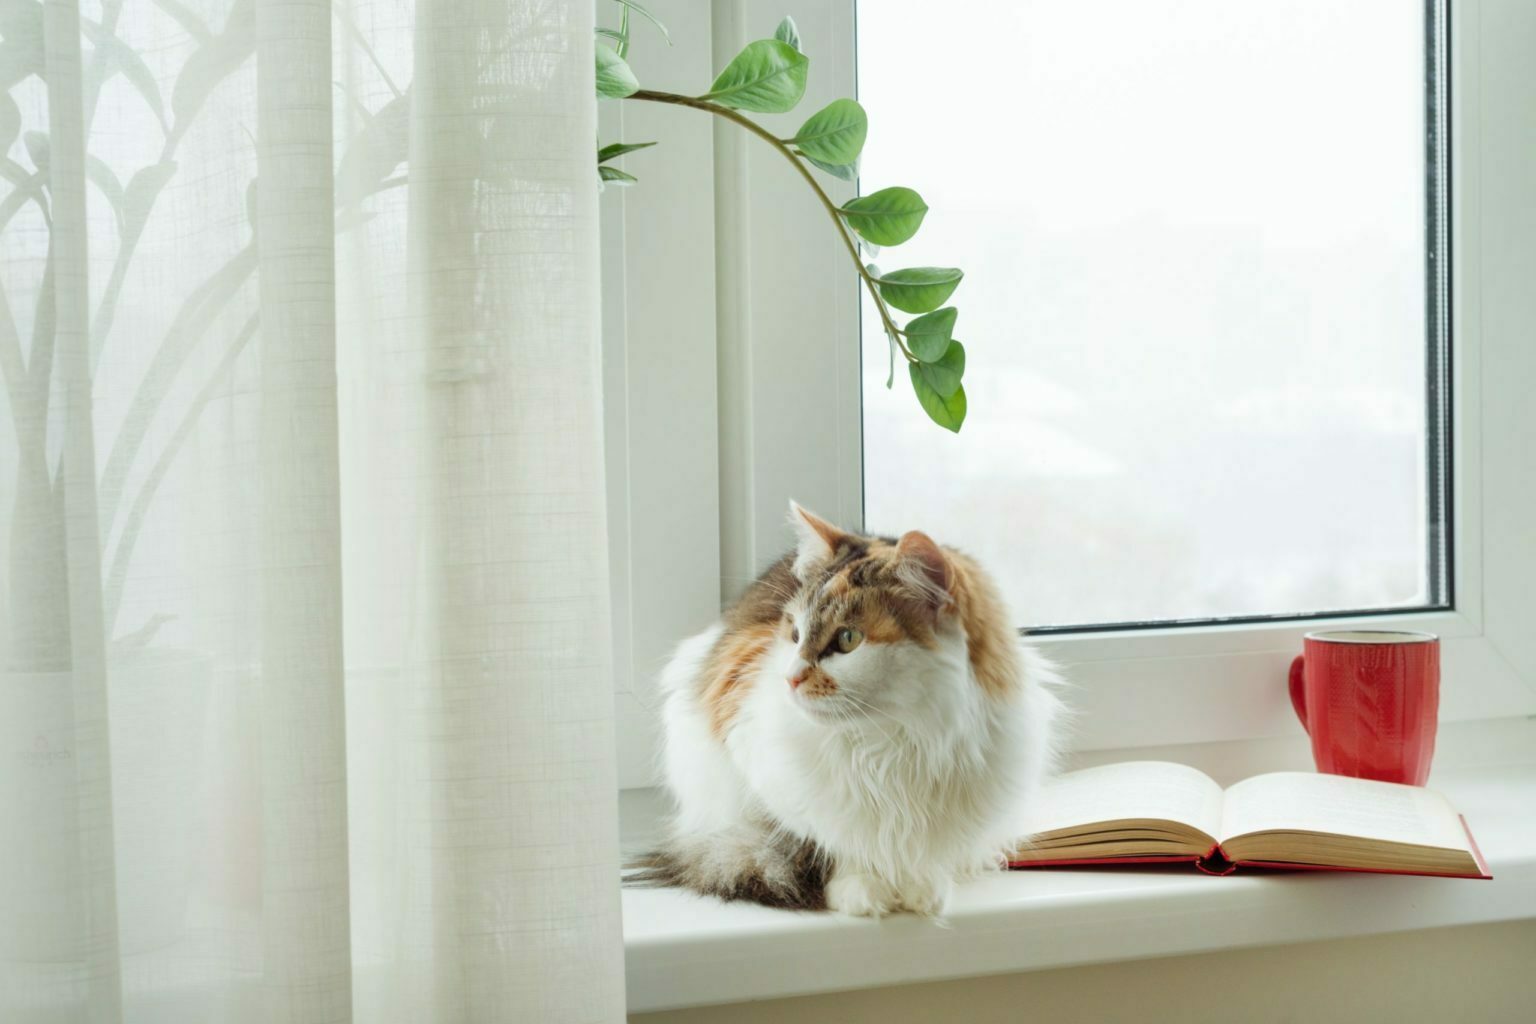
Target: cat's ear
816,539
921,565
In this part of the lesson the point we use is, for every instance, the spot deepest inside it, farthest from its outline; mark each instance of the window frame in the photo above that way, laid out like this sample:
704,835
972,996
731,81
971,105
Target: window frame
786,372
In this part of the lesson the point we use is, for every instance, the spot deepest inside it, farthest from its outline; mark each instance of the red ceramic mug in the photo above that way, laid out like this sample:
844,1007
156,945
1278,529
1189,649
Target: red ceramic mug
1370,700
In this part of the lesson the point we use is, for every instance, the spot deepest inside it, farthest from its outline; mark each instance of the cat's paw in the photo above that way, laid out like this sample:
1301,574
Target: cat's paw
927,896
861,895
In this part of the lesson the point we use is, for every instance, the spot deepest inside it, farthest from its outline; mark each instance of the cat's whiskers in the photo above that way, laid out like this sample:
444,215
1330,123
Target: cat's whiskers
778,590
868,712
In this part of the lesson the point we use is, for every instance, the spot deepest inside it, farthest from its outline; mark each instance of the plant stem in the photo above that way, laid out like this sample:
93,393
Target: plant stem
718,110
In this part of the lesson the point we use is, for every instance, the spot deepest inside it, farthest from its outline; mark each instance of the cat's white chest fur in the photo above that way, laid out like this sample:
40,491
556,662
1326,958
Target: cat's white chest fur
872,789
901,813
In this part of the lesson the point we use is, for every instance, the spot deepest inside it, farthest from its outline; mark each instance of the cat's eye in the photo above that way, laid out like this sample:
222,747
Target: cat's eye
847,639
794,634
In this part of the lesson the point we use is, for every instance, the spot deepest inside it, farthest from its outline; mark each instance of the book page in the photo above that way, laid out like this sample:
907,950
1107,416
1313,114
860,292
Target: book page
1308,802
1133,790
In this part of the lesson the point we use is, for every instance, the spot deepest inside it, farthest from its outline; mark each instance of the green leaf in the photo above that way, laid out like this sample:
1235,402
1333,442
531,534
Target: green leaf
834,134
929,335
213,62
949,412
22,20
888,217
21,48
106,183
614,149
194,26
126,59
919,289
29,188
648,16
39,151
847,172
788,32
767,77
944,374
615,80
622,48
613,34
10,122
616,176
374,153
140,194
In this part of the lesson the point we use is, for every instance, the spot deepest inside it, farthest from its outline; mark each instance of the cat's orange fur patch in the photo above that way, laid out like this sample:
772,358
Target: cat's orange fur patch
992,640
837,586
881,626
735,658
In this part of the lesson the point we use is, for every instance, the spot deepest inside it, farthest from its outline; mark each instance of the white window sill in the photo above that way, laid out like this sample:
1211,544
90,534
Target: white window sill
682,950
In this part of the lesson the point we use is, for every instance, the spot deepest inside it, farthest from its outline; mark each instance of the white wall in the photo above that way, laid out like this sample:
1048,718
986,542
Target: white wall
1480,973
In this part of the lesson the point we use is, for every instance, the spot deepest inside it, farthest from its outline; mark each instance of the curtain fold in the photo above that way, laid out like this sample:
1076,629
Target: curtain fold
305,702
306,961
86,910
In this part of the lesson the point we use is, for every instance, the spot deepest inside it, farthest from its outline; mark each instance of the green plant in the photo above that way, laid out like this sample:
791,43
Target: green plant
768,77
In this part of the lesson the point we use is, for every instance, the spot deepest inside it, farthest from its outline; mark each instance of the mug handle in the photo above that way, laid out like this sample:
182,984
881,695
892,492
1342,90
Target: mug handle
1299,690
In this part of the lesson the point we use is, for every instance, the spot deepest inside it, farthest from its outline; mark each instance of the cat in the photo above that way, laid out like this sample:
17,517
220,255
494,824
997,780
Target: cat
860,730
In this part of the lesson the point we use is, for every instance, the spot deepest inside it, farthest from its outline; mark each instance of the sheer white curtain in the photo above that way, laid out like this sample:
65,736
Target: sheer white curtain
305,709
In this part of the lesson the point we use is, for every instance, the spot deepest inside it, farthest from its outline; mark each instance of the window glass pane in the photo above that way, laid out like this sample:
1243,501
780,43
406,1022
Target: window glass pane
1200,312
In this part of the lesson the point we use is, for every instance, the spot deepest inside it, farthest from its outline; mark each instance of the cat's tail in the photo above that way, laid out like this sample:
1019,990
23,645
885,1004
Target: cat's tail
775,870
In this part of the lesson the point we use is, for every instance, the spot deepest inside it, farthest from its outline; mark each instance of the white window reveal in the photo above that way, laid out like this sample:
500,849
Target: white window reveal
1204,305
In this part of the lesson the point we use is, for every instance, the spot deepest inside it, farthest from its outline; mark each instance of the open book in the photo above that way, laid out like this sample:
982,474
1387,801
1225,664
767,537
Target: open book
1147,812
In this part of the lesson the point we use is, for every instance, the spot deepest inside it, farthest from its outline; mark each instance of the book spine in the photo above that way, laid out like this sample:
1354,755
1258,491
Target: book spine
1216,862
1098,862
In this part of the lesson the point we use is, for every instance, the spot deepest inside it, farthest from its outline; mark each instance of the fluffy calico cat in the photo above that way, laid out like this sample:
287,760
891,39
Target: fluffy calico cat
861,728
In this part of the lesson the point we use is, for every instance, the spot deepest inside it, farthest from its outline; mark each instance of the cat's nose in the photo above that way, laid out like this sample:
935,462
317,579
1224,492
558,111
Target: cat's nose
797,676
